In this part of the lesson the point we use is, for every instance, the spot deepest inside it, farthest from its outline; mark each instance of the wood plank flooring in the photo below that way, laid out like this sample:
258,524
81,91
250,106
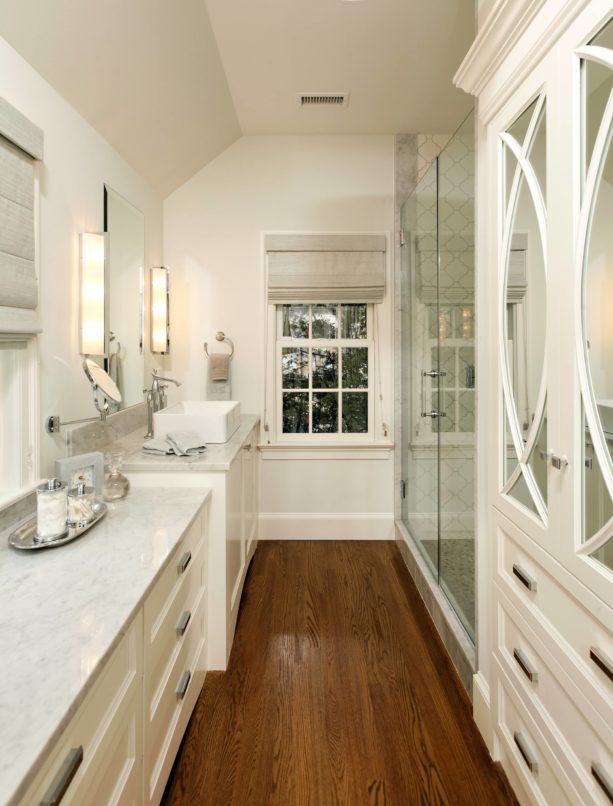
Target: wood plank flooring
338,691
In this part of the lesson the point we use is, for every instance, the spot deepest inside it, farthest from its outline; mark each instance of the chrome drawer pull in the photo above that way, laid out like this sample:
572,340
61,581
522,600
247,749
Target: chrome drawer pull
524,578
64,776
525,666
603,779
184,562
182,623
183,684
527,755
602,661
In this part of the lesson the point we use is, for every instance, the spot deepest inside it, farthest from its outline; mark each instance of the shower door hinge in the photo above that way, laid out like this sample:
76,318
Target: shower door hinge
401,234
403,488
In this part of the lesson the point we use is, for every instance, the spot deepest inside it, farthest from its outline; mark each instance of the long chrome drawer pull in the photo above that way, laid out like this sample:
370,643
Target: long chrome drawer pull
603,779
601,660
525,666
183,622
524,578
184,561
526,753
64,776
183,684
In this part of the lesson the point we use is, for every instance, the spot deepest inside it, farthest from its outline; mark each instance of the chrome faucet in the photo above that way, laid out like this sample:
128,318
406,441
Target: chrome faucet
156,398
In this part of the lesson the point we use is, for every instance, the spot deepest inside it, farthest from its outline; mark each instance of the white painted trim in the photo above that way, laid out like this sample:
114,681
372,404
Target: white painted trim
326,526
498,35
497,38
287,451
482,713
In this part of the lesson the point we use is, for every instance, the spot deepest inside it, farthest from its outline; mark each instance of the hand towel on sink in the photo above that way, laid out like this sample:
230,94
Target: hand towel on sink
159,446
186,443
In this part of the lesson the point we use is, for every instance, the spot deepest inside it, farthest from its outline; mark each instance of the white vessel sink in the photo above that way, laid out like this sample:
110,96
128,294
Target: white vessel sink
213,420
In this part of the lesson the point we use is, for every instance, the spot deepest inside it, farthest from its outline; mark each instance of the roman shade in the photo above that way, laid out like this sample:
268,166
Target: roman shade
20,144
319,268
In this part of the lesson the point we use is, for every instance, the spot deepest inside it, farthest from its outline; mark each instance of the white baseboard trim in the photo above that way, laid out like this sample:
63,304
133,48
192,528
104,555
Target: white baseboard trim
482,713
326,526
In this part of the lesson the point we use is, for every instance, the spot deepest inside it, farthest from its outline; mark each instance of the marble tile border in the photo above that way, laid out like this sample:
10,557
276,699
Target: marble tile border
19,510
459,646
97,435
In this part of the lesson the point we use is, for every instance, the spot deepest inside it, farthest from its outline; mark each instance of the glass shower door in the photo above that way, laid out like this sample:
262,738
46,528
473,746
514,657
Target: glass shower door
420,367
438,370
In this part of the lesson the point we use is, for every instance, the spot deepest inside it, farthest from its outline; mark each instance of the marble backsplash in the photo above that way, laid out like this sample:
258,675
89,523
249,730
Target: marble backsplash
94,436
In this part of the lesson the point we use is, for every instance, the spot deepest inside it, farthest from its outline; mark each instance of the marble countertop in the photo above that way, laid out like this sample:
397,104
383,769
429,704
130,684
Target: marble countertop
63,611
216,457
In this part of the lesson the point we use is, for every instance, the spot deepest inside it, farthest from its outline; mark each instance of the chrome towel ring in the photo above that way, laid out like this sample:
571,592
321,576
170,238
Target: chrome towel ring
220,336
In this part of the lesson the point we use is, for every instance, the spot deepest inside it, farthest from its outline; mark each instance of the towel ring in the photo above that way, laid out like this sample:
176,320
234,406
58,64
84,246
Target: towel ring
221,336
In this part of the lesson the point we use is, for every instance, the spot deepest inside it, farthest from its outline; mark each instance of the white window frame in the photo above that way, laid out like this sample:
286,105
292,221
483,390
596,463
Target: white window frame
337,438
19,415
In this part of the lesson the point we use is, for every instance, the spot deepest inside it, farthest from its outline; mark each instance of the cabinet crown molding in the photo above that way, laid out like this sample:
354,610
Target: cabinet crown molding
503,28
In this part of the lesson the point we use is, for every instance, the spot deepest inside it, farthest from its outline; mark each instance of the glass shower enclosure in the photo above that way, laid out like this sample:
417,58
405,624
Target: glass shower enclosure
438,370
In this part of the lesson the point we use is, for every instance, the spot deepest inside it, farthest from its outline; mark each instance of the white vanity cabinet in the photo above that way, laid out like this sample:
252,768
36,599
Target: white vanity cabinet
121,744
543,74
231,473
98,758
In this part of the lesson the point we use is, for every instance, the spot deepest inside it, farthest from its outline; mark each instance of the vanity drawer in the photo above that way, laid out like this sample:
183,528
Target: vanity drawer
105,735
173,626
177,570
523,748
544,602
167,715
560,707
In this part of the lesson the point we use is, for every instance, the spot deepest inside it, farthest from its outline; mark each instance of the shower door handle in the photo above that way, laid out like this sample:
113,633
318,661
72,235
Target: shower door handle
434,373
434,414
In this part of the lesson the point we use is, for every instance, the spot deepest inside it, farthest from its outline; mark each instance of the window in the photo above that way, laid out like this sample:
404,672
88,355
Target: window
324,372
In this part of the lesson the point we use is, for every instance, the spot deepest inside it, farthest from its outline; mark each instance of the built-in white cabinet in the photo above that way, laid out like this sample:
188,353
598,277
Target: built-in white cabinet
120,745
543,74
232,532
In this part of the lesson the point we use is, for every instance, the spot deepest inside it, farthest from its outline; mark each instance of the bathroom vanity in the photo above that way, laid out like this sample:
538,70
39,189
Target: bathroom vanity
104,653
230,471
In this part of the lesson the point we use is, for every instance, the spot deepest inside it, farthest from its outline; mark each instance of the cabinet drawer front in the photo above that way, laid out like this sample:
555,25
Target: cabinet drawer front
174,628
523,746
167,715
545,603
115,694
172,578
580,733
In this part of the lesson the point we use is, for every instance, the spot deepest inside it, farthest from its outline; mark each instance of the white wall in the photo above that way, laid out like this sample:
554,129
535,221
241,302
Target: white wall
213,226
77,163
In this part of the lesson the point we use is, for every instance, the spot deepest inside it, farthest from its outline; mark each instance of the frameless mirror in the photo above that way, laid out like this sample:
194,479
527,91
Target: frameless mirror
125,228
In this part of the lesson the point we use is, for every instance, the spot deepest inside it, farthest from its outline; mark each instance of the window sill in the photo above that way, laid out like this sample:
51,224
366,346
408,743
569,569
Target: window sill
356,450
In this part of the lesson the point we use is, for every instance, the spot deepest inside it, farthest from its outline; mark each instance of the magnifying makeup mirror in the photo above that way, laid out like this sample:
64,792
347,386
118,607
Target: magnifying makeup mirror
105,393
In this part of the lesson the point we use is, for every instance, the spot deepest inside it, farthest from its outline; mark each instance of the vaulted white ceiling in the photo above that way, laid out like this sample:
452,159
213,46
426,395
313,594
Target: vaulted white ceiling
172,84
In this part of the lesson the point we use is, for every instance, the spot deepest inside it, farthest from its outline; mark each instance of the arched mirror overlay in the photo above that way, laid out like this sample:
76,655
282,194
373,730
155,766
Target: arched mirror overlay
524,309
595,273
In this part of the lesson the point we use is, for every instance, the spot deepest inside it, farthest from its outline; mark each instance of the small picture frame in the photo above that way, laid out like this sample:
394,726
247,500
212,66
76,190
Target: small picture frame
86,467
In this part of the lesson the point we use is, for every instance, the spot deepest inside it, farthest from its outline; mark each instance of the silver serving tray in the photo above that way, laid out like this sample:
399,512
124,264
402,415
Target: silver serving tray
26,539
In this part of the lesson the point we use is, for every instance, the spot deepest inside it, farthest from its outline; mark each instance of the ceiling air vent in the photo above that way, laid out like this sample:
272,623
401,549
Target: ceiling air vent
323,98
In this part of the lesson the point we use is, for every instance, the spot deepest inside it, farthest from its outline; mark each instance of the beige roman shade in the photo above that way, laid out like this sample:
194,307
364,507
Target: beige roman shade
20,144
319,268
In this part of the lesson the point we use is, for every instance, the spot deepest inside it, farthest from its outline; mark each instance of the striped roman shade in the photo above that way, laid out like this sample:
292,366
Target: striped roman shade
20,143
318,268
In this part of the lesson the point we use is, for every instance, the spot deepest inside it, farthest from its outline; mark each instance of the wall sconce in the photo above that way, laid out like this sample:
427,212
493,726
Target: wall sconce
92,333
160,292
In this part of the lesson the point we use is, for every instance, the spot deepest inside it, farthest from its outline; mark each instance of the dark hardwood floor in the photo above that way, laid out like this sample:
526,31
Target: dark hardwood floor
338,691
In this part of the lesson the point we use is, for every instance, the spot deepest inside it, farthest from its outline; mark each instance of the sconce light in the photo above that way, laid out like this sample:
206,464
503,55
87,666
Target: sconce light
92,339
160,342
